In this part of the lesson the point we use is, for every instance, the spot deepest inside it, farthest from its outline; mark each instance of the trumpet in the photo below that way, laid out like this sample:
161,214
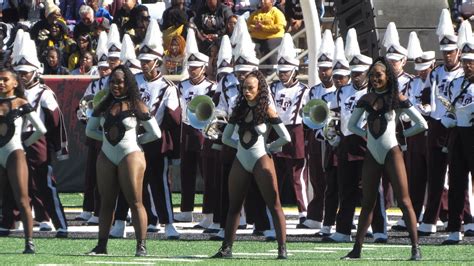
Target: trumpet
202,115
88,103
316,115
444,101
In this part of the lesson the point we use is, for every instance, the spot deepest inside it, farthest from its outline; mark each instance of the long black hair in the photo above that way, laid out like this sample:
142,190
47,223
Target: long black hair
393,95
132,92
260,114
20,89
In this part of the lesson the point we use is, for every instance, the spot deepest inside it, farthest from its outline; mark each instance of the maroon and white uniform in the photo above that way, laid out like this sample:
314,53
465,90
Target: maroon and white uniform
324,191
437,83
43,192
350,156
290,163
191,140
460,154
161,97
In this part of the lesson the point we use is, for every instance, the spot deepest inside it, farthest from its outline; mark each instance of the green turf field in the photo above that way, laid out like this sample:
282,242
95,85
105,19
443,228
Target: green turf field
70,251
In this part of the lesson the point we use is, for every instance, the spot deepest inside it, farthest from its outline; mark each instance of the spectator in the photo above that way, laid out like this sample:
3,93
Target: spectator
242,6
123,15
229,27
174,56
86,65
86,24
178,25
100,25
267,27
57,36
70,9
52,13
138,24
211,20
84,44
100,10
294,15
52,62
169,15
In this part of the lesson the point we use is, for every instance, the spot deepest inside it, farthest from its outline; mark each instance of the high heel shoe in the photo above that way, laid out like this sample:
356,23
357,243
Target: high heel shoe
415,253
353,254
29,247
282,254
141,248
225,251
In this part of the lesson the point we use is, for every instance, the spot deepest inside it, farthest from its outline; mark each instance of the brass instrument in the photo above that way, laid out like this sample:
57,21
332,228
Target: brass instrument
316,115
202,114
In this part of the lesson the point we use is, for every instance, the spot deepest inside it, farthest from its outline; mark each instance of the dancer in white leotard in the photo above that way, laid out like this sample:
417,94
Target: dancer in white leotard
14,110
383,104
253,118
121,163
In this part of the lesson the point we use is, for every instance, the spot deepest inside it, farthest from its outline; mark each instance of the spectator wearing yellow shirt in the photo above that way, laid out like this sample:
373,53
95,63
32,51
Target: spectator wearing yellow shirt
267,27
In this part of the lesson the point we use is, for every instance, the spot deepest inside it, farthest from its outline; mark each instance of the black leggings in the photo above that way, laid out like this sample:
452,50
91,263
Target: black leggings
394,169
239,182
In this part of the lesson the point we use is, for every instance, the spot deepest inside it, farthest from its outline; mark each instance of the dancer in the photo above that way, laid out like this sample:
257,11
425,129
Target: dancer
253,115
383,104
121,163
14,109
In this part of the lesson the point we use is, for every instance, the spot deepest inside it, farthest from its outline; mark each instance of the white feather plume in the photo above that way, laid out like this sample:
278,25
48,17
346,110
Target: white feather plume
391,36
414,46
352,45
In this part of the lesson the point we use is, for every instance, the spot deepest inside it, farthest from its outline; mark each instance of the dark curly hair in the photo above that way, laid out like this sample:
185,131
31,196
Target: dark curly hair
132,91
260,114
393,98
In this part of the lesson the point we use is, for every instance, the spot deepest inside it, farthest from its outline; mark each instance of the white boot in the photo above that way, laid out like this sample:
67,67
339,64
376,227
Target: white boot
338,238
83,216
94,220
118,230
184,217
269,235
152,228
46,226
310,224
205,222
170,232
325,230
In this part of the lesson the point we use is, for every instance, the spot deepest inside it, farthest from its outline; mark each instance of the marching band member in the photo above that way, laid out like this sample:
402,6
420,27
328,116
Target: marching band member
290,95
461,145
191,138
43,192
161,97
121,163
91,202
384,104
14,110
324,197
438,82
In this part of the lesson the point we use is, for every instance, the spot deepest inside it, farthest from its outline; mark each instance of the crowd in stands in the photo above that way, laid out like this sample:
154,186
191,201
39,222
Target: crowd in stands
66,32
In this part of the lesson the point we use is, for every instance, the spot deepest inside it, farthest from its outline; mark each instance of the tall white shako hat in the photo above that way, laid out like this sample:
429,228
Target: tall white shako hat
466,41
391,42
287,60
445,31
357,61
326,50
224,58
152,46
340,65
245,57
114,46
101,51
128,56
26,58
17,45
240,27
193,56
423,60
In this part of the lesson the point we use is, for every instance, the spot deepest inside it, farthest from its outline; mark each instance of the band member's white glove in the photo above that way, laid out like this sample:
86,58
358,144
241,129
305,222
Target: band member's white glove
448,120
404,117
424,109
334,140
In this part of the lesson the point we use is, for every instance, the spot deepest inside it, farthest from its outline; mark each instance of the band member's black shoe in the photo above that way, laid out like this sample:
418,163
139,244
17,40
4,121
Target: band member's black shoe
98,250
422,233
415,253
224,252
353,254
141,248
282,254
450,242
29,248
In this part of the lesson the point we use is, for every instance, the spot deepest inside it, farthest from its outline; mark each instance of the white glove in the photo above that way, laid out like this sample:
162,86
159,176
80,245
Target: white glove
424,109
448,120
334,140
404,117
43,34
267,148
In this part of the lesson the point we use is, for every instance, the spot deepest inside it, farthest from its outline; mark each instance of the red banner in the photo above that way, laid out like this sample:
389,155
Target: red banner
69,90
